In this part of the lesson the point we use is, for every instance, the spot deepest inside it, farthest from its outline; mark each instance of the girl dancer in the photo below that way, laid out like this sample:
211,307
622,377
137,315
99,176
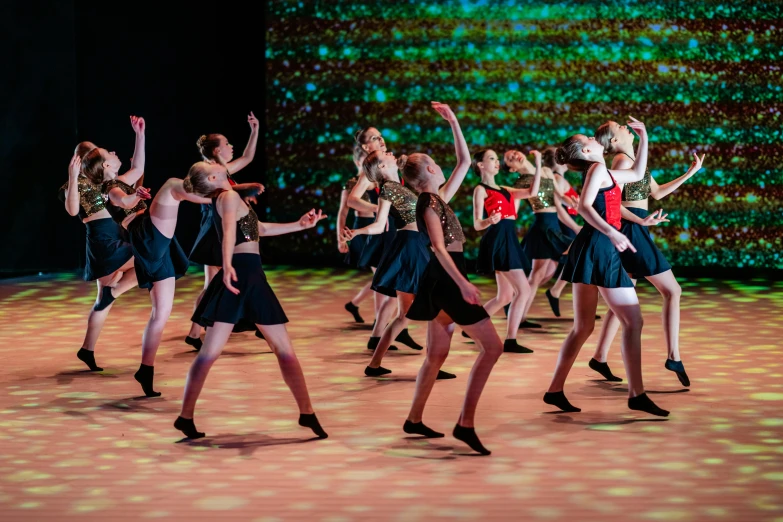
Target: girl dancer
353,249
206,250
109,258
250,304
594,266
158,258
367,141
499,250
403,263
647,260
445,294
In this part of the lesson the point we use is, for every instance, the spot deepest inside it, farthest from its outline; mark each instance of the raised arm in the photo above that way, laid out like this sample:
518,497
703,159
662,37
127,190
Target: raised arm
447,191
526,193
480,223
378,227
139,157
309,220
636,172
355,200
661,191
596,176
72,202
250,149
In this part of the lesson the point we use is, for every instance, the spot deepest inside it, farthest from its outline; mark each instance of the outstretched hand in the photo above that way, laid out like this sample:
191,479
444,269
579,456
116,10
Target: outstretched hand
311,219
143,193
697,161
253,121
637,126
138,124
656,218
75,167
445,111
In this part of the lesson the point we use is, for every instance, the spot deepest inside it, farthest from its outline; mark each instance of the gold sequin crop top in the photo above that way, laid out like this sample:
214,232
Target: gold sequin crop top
638,190
546,191
91,199
452,230
247,226
403,202
119,213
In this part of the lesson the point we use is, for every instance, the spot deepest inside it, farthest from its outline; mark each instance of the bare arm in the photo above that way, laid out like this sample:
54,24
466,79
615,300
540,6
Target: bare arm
342,215
139,157
564,216
309,220
596,176
250,149
636,172
72,202
526,193
447,191
661,191
469,292
226,206
120,199
479,223
379,227
355,200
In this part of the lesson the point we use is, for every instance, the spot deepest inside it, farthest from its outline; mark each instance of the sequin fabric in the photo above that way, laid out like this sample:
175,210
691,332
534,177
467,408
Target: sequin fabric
248,225
401,198
638,190
546,191
452,230
116,183
90,197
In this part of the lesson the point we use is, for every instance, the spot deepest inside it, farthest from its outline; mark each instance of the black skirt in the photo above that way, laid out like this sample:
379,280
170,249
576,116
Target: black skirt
107,249
255,304
403,264
438,291
499,250
544,240
648,260
571,235
594,260
356,245
375,247
207,249
156,257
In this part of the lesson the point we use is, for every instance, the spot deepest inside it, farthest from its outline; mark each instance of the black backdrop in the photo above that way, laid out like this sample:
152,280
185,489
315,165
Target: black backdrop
78,69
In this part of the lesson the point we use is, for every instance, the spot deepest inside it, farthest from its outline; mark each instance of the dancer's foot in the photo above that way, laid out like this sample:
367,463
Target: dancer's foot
405,338
469,437
442,376
107,298
554,303
679,369
528,324
144,376
309,420
187,427
559,399
88,358
644,403
372,344
418,428
195,342
376,372
354,310
603,369
511,346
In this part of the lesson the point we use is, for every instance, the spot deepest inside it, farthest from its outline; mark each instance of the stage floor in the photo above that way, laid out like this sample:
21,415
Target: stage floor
83,446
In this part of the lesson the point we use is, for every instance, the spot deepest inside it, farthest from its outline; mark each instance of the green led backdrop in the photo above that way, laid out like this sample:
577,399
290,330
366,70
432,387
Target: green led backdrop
705,76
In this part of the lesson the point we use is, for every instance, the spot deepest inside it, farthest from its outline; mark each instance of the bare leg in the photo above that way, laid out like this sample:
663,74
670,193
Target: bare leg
439,332
558,287
362,294
671,291
209,274
491,347
608,333
521,293
214,342
385,306
394,328
543,270
624,303
504,296
162,297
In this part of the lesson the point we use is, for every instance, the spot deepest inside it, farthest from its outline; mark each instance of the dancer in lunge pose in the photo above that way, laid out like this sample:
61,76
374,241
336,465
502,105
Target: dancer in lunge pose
158,258
500,254
445,295
594,266
206,250
109,258
647,261
239,297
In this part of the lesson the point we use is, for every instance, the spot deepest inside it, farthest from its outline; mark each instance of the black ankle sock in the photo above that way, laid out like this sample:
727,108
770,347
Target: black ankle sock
406,339
372,344
195,342
469,437
644,403
88,358
187,427
554,303
511,346
376,372
528,324
354,310
260,335
106,299
603,369
442,376
678,368
559,399
145,376
309,420
418,428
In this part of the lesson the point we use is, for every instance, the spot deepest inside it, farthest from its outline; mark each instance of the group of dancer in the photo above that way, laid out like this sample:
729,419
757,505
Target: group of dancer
414,245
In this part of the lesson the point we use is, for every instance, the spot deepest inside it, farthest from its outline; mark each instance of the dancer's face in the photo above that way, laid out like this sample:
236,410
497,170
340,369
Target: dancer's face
517,162
490,163
111,164
374,141
591,148
621,134
218,177
225,151
388,167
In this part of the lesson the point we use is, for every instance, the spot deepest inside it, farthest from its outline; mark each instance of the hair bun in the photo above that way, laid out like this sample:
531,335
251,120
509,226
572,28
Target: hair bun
200,141
560,156
402,161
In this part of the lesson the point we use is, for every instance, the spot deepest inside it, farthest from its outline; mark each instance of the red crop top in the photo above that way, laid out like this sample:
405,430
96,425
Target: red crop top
575,195
499,200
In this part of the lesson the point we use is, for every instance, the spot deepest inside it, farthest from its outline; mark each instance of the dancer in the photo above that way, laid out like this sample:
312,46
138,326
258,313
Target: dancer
206,250
240,297
367,141
445,294
158,258
109,258
499,250
353,249
403,263
647,260
594,266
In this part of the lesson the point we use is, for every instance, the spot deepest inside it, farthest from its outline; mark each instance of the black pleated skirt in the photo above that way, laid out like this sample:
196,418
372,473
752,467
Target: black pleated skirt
593,260
207,249
156,257
402,265
499,250
544,240
255,304
648,260
356,245
375,247
438,292
107,248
